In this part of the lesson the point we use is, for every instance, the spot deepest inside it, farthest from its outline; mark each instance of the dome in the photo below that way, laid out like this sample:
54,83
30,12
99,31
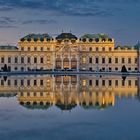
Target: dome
64,36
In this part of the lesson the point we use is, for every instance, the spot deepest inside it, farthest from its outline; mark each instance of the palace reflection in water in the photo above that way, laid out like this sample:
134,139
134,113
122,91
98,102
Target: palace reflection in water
68,92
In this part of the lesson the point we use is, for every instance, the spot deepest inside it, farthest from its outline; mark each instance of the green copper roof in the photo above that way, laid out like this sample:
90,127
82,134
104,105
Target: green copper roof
8,47
93,36
124,47
63,36
35,37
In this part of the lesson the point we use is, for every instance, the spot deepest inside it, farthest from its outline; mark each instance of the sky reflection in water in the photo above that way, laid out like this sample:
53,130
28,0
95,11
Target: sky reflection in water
65,107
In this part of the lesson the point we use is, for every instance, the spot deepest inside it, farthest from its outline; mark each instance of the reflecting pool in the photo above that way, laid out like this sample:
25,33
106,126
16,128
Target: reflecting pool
84,107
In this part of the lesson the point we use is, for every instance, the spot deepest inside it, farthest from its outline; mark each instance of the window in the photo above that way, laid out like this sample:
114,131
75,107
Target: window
34,93
129,68
9,82
90,82
129,82
21,94
22,69
28,82
28,60
97,82
22,59
16,68
35,82
116,82
83,60
123,82
2,82
116,60
110,49
41,93
90,49
103,49
16,60
123,60
136,83
136,60
129,60
109,60
41,82
90,60
84,82
103,82
103,60
28,93
35,60
97,60
41,48
116,69
41,60
110,83
22,82
22,48
29,49
2,60
15,82
110,69
9,59
35,48
136,69
97,49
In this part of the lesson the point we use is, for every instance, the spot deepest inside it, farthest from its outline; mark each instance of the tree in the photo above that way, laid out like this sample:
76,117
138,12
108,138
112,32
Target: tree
124,69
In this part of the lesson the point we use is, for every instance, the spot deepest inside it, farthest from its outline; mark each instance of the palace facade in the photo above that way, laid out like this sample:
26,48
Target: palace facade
96,52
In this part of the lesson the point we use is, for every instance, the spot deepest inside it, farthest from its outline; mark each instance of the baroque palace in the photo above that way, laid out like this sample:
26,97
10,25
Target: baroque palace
94,52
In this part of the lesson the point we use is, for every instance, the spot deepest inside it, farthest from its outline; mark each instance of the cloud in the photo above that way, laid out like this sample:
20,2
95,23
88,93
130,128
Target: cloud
72,7
39,21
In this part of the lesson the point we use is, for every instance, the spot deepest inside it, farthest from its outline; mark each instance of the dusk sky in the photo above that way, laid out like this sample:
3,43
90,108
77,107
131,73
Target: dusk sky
118,18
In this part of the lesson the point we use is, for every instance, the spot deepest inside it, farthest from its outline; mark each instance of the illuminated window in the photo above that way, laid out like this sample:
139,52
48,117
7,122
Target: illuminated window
84,83
83,60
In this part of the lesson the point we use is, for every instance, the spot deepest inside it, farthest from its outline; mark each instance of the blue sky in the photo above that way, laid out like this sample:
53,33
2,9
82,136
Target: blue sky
118,18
